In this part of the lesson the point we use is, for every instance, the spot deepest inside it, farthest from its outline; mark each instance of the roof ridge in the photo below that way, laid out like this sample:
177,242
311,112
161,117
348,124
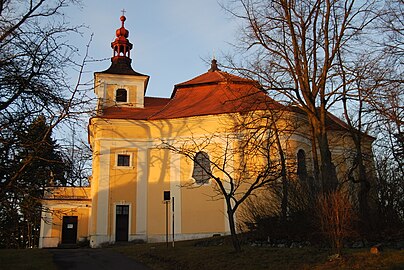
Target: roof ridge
221,75
185,82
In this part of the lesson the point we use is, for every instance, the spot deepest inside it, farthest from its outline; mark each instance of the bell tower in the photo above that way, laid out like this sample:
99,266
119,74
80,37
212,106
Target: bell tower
120,85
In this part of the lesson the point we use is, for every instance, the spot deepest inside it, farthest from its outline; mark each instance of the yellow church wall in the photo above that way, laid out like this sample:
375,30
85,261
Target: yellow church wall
196,204
158,182
123,186
83,215
203,208
291,150
157,129
198,213
57,224
83,220
343,153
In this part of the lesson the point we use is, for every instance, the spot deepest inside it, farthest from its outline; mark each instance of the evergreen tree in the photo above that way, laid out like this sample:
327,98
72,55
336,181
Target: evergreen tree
38,163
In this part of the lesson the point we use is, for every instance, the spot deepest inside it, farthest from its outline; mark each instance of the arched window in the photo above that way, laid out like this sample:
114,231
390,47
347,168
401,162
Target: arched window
301,165
202,170
121,95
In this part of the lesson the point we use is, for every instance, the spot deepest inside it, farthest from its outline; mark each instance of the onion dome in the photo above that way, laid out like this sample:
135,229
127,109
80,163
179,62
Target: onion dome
121,46
121,61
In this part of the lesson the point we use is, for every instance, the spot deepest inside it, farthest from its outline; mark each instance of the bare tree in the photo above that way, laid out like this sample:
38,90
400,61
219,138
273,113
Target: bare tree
390,25
245,160
35,56
387,109
263,215
293,47
390,191
78,156
371,95
356,83
335,215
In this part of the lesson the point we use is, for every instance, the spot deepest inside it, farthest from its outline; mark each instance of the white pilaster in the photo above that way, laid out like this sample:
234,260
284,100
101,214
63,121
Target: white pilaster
103,195
141,195
46,231
175,187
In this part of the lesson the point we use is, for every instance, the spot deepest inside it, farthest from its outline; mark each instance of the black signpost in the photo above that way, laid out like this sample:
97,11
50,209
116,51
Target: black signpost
166,202
173,221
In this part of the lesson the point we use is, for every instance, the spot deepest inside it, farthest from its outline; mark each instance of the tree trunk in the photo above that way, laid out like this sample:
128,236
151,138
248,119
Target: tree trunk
363,198
232,225
285,184
285,199
328,174
316,169
364,189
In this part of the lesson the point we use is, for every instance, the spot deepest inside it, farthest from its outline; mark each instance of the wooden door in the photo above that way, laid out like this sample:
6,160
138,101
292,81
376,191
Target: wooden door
69,230
122,223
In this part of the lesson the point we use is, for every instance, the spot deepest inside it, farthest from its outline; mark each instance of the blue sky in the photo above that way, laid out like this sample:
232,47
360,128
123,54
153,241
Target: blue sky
170,38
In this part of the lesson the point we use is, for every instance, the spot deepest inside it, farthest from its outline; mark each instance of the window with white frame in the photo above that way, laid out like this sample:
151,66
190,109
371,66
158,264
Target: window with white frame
123,160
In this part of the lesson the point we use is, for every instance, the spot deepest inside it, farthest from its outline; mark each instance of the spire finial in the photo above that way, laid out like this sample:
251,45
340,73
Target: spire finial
123,18
213,65
121,45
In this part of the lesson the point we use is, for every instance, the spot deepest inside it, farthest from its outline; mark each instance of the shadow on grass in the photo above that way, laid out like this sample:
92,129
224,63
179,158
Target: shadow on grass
191,255
19,259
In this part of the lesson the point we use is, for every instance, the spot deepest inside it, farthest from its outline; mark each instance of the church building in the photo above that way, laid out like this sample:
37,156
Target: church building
153,157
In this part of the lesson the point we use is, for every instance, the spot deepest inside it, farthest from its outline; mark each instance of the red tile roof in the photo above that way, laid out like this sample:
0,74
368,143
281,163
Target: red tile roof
151,106
215,99
214,92
213,77
335,123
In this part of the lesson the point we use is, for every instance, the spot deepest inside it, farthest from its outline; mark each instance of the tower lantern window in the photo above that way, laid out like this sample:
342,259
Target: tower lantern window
121,95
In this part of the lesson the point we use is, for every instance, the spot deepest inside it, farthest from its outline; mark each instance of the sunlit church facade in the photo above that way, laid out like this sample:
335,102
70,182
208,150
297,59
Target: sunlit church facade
134,179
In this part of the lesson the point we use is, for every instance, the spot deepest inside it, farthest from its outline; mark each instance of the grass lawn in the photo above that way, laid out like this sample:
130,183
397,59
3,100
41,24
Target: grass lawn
186,255
24,259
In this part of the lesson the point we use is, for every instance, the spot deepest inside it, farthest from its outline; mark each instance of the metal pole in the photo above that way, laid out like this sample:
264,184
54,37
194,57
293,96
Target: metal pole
173,223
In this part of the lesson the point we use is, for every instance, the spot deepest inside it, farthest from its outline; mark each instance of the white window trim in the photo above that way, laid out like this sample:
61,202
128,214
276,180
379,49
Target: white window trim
195,184
130,154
